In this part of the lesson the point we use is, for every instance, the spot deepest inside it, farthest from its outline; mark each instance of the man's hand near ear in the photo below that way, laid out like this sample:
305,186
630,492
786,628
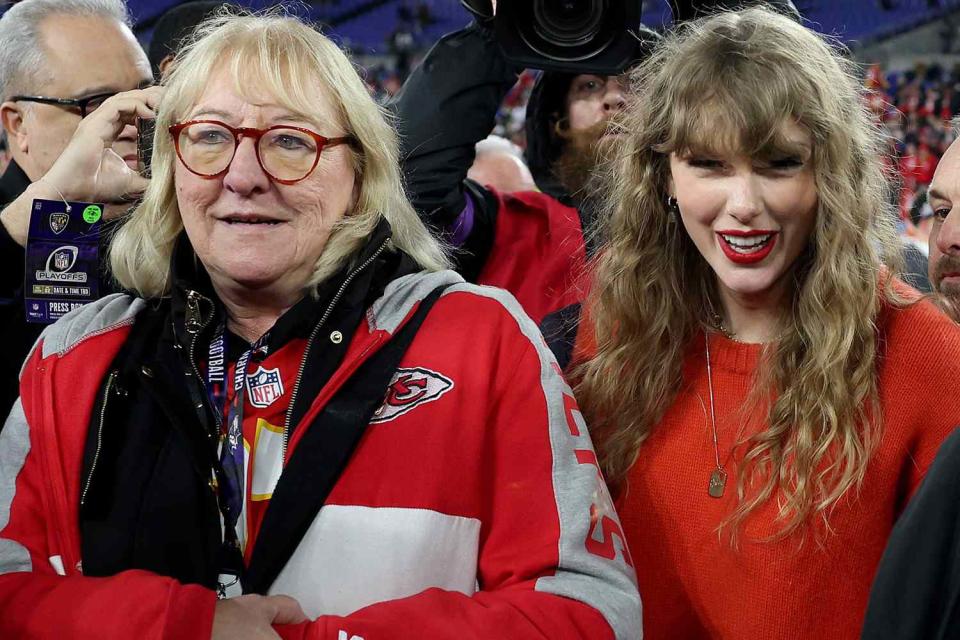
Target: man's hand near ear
88,170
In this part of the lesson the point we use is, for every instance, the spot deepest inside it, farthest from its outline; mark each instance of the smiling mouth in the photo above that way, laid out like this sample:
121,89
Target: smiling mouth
249,221
749,247
747,244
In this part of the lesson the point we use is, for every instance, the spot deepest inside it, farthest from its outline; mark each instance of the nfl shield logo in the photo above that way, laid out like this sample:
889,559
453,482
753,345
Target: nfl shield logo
61,260
264,387
59,221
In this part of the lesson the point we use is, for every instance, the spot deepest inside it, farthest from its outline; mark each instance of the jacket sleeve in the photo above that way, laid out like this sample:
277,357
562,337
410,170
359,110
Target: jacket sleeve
41,598
916,593
553,562
447,105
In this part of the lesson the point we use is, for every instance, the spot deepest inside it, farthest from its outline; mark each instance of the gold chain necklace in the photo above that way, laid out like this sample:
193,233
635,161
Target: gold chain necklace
718,477
719,326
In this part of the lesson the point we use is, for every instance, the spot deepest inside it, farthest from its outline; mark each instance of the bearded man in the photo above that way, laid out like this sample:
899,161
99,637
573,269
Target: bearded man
531,243
944,256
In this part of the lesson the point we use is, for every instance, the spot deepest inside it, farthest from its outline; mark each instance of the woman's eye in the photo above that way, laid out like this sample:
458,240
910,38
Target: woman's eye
705,163
941,213
289,142
212,137
781,164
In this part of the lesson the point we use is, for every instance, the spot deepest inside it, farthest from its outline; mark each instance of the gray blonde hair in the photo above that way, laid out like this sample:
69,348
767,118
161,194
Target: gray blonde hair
22,63
728,84
291,61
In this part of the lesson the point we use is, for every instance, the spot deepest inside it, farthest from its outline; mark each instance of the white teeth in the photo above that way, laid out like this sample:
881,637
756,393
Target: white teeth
250,221
745,244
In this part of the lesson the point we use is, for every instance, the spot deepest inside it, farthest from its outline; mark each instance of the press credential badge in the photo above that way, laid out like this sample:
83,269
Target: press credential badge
63,258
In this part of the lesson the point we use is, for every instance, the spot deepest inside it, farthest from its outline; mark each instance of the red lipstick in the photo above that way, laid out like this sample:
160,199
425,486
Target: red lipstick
743,254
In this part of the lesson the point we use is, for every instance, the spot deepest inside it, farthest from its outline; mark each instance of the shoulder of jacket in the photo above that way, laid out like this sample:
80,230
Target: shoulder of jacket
401,295
103,315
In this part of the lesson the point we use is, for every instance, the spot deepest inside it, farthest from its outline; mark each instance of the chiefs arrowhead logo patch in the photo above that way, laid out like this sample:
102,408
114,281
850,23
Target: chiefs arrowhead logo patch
410,388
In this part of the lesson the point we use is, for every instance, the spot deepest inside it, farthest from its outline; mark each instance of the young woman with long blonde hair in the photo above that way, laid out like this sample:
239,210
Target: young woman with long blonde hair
764,391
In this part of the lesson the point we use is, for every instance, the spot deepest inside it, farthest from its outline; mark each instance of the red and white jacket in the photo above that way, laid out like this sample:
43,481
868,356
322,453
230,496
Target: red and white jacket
477,512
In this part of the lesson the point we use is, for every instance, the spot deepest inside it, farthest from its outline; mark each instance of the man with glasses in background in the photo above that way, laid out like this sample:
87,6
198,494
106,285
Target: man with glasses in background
60,60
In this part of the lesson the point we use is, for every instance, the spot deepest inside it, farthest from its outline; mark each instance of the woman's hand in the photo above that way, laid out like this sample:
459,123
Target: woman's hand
251,617
89,170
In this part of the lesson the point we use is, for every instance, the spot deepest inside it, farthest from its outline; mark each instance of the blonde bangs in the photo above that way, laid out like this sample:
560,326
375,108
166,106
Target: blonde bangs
740,108
274,61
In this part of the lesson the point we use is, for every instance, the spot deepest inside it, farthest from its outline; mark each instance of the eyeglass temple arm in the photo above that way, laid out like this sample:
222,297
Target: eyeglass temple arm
353,142
70,102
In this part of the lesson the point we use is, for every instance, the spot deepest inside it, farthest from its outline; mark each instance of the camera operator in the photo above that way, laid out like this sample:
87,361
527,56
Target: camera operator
534,244
530,243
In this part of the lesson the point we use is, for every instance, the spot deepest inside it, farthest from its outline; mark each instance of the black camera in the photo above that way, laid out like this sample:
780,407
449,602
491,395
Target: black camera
684,10
145,130
573,36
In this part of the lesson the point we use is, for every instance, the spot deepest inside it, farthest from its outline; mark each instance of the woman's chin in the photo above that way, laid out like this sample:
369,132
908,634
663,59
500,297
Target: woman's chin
746,283
253,277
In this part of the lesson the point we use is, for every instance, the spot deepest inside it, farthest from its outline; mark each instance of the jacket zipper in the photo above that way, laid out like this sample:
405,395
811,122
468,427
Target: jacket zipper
195,323
310,341
96,454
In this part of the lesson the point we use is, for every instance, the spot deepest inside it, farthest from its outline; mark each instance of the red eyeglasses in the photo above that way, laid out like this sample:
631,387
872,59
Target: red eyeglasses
287,154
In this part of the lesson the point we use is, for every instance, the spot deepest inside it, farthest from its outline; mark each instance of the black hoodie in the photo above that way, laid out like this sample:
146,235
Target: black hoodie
449,104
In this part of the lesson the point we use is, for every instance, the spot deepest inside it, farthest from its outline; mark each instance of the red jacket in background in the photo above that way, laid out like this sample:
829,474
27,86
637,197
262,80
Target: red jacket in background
538,253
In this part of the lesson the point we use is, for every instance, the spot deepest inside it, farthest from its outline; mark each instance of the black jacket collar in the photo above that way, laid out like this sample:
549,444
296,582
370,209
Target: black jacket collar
188,274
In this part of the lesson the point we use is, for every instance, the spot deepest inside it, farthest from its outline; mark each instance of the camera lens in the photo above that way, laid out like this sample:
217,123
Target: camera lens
568,23
570,36
567,30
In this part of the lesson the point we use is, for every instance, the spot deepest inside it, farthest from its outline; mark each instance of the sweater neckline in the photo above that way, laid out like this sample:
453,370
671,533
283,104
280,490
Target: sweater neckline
729,355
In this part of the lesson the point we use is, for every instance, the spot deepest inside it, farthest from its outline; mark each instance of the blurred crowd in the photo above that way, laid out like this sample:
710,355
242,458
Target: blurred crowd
915,106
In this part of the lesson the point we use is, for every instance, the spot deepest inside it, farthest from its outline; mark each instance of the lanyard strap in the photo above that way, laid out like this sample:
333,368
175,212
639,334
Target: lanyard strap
231,494
217,372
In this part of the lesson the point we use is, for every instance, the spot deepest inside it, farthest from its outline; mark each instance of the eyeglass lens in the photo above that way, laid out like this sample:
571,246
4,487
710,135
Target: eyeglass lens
286,154
92,104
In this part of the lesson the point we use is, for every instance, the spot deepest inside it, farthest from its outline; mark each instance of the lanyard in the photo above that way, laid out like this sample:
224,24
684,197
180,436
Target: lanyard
216,373
231,490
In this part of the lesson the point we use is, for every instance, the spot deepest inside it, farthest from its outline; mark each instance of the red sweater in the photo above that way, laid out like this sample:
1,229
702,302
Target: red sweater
693,585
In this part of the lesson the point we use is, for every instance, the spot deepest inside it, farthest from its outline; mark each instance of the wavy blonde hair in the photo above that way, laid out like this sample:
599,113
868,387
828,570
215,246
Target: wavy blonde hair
730,82
288,59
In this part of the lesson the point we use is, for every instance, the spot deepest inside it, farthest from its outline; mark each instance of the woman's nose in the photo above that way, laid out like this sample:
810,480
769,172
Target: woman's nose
245,175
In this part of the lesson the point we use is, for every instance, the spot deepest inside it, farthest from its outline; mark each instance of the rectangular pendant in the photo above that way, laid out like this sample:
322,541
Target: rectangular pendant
718,482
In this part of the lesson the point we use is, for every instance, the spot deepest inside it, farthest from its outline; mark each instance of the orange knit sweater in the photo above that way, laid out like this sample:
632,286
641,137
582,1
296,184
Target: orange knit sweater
693,585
